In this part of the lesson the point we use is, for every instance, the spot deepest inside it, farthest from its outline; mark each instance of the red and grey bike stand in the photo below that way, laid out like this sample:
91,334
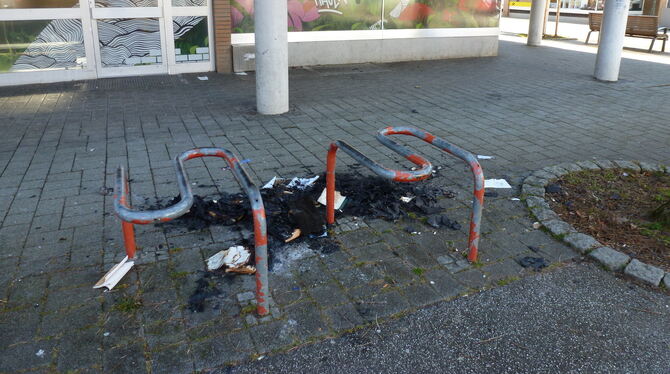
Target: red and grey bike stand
132,217
424,171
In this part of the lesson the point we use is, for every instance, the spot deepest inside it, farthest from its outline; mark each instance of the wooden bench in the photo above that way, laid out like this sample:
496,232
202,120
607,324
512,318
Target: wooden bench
636,26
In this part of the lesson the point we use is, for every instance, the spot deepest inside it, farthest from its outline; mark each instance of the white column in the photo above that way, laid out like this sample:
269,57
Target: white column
271,24
536,24
612,32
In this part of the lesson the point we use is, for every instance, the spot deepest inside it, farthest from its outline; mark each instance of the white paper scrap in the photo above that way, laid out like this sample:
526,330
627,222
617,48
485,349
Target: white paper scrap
241,73
301,183
232,257
339,199
406,199
269,184
203,78
482,157
236,256
496,183
115,274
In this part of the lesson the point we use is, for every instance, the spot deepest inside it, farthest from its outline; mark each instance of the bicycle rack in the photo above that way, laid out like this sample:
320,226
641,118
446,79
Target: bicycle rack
410,176
132,217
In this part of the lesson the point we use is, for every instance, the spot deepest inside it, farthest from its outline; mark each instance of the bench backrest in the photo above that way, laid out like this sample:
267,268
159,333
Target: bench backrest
635,25
642,25
595,20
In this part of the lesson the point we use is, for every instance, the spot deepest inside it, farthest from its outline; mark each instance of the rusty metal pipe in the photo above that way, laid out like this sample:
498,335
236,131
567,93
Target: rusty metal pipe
131,216
411,176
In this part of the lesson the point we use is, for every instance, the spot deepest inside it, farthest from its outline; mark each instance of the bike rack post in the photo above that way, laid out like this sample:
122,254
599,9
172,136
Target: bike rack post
411,176
132,217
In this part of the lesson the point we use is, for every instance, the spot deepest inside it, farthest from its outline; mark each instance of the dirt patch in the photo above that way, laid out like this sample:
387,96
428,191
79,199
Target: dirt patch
615,206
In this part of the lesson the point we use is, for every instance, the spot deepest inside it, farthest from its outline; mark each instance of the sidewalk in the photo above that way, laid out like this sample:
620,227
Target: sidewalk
529,108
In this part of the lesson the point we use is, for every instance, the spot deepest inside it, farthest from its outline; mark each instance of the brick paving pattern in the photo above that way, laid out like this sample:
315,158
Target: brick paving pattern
62,143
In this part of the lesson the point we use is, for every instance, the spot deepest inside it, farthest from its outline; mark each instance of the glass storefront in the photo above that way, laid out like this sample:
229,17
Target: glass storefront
325,15
191,39
104,38
41,44
37,4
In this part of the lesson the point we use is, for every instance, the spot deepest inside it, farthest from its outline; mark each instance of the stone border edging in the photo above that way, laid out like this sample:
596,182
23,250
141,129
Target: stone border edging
533,191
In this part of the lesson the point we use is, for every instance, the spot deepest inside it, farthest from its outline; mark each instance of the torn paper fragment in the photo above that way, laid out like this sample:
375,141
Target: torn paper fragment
203,78
482,157
241,73
496,183
301,183
249,56
232,257
515,199
40,353
269,184
406,199
339,199
216,261
115,274
248,269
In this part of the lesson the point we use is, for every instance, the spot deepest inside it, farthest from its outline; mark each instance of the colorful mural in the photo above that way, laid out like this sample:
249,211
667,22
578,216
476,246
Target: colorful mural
322,15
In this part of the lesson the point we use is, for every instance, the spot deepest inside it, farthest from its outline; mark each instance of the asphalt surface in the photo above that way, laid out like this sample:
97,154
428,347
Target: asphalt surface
576,319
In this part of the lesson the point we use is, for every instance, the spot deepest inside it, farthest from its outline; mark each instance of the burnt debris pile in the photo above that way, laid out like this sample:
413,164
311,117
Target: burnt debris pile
294,206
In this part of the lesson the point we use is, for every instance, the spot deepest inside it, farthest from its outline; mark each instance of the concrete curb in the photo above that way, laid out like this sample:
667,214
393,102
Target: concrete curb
533,193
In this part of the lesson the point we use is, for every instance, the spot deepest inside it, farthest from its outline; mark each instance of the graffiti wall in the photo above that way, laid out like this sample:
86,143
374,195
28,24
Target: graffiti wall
324,15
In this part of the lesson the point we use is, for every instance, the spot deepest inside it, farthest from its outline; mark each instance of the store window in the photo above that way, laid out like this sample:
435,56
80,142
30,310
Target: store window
41,44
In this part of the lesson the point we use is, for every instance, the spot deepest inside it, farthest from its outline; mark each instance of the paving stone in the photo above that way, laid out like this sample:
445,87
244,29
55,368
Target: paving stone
343,317
273,335
588,165
308,320
581,242
458,265
472,278
627,165
172,359
610,258
381,305
328,294
506,269
421,295
529,190
644,272
124,359
146,136
544,214
666,280
558,227
222,350
444,283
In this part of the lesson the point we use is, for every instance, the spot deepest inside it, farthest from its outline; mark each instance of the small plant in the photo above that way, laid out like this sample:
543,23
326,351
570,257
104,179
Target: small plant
178,274
248,309
506,281
418,271
128,305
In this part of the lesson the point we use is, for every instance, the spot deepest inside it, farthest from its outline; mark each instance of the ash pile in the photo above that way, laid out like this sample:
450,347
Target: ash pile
295,217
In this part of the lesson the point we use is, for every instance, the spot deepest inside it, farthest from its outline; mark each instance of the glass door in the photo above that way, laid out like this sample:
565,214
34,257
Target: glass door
128,37
188,26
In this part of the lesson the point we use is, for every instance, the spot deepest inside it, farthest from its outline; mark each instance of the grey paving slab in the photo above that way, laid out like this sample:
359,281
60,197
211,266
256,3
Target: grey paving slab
58,234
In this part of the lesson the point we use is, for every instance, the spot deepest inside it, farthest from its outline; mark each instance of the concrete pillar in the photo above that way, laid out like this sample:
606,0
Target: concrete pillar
271,25
612,32
536,24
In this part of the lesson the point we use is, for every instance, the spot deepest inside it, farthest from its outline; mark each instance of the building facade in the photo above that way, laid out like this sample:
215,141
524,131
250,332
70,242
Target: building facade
59,40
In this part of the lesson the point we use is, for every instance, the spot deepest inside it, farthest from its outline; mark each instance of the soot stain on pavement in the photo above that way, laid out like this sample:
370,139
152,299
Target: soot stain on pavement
290,208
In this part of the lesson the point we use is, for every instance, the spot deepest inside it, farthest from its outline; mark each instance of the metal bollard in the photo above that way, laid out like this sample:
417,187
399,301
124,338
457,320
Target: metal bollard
411,176
130,216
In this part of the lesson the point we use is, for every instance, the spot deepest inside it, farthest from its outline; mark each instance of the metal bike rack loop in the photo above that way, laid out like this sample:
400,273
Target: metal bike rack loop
132,217
410,176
